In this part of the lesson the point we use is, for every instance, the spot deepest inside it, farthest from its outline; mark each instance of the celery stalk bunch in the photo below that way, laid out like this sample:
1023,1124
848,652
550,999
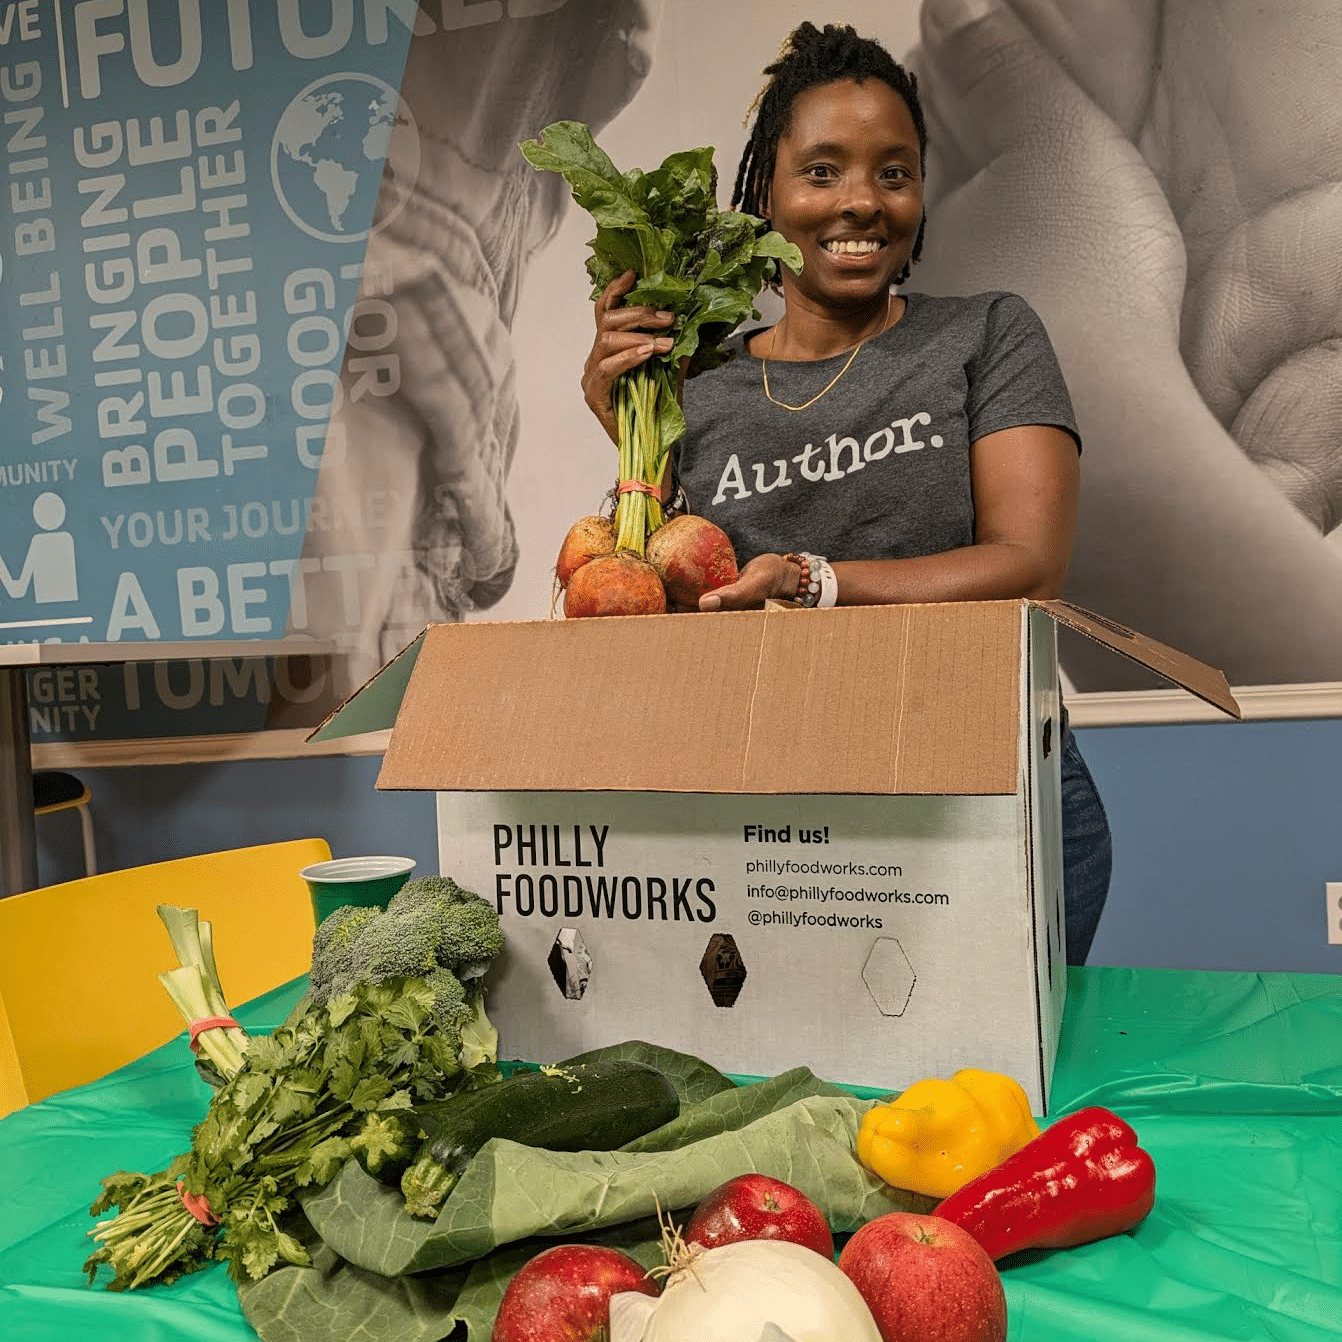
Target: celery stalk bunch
197,994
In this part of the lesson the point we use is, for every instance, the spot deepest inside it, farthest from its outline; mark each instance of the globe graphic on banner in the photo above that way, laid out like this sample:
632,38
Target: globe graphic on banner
329,151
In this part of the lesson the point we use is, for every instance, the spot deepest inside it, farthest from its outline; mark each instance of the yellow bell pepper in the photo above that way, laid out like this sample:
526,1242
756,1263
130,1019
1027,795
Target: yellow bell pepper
938,1135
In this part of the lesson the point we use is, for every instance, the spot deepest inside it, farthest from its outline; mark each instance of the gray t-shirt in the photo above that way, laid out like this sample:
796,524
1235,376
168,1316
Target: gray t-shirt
878,468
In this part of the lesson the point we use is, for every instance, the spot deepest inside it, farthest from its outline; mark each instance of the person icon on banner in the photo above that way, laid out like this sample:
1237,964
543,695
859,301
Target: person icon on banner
49,566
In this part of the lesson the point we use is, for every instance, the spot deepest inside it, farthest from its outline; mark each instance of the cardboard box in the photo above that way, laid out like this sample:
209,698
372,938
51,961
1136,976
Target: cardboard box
770,838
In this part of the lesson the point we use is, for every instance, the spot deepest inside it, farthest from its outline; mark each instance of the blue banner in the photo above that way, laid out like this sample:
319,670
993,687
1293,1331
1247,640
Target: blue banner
191,189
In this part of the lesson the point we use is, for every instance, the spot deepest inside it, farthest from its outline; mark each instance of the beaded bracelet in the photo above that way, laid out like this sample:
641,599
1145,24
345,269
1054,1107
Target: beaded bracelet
808,585
818,585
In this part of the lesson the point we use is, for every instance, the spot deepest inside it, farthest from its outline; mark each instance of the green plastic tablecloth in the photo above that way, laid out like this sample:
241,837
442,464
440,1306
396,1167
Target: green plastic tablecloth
1233,1081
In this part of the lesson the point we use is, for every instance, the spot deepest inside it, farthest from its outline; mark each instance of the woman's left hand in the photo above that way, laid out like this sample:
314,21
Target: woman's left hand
764,578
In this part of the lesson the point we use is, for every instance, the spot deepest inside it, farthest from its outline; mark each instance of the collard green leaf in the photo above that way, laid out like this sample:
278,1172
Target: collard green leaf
731,1109
333,1301
511,1192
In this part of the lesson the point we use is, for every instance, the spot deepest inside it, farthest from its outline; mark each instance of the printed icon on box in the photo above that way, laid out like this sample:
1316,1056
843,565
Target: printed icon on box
570,964
723,969
49,566
889,976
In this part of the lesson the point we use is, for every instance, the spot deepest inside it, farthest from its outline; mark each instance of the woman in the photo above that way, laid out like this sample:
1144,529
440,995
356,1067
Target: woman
873,447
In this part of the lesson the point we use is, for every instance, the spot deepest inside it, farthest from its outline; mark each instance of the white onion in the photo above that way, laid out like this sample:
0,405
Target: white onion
732,1293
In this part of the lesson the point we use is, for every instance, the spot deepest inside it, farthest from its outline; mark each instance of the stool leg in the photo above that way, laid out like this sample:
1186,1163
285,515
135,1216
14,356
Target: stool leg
90,852
18,831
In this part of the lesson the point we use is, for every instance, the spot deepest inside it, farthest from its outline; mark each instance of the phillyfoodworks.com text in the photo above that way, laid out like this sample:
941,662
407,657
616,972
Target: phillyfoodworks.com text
827,894
782,866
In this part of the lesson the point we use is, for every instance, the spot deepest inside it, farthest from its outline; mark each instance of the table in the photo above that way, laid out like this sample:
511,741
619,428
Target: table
1234,1082
18,835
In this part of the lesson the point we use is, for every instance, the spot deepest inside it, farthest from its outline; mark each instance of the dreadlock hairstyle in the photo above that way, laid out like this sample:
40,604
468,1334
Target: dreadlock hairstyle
811,57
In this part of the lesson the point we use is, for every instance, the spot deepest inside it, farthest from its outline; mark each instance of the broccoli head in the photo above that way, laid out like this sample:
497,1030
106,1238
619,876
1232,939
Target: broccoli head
370,948
431,929
472,938
333,957
459,1013
451,1010
433,891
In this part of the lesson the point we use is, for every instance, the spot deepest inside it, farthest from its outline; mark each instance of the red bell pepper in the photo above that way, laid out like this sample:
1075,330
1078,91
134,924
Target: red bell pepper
1080,1180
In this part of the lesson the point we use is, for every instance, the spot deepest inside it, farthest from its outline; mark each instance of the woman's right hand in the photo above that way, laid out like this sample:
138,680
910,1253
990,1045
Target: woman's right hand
766,577
625,338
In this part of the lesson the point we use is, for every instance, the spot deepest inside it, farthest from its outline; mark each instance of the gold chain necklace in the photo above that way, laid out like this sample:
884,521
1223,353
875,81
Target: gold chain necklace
833,382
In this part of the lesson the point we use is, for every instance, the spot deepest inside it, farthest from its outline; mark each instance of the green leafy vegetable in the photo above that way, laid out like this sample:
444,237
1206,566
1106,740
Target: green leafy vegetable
394,1018
704,265
514,1201
375,1263
319,1090
510,1191
432,929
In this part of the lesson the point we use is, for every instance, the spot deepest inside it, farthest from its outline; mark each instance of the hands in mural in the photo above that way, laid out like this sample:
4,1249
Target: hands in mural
412,510
1176,232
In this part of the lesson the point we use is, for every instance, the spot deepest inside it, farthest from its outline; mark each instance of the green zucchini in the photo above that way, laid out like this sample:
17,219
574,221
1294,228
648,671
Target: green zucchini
597,1106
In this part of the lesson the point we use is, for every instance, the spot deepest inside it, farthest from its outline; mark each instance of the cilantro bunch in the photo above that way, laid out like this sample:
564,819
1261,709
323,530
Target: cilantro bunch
328,1084
704,265
394,1018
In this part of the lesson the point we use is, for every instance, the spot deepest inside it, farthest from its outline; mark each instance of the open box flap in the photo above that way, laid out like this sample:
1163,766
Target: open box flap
1177,667
374,705
883,700
879,700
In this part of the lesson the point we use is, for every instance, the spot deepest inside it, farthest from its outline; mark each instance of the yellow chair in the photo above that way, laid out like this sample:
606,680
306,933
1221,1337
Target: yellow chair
79,962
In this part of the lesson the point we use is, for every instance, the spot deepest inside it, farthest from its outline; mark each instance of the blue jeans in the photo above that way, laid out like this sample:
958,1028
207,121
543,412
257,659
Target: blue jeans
1087,850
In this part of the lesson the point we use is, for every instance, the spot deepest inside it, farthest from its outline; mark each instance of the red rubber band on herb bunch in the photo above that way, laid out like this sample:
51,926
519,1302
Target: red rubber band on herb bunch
198,1206
210,1023
638,487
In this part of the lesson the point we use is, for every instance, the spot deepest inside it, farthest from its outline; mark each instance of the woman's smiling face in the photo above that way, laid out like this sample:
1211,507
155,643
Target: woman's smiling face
848,190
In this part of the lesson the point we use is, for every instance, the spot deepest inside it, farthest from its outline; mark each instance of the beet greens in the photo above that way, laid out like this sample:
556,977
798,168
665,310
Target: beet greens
704,265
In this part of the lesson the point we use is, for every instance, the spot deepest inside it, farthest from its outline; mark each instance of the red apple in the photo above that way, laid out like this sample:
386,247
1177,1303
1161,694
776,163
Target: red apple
563,1295
754,1206
926,1280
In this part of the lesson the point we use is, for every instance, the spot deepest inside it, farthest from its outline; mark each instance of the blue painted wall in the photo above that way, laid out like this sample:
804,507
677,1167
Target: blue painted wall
1224,833
158,812
1224,837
